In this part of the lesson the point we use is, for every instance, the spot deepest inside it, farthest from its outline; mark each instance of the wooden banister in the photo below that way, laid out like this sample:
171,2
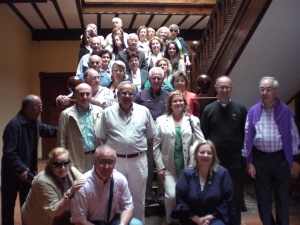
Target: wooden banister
229,29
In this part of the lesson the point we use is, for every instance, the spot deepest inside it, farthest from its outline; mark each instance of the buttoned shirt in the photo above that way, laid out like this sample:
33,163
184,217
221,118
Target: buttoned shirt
83,63
86,121
91,200
104,96
127,134
155,104
267,137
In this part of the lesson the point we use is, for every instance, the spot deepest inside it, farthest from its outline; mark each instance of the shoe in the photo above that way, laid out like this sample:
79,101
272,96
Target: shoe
149,202
161,203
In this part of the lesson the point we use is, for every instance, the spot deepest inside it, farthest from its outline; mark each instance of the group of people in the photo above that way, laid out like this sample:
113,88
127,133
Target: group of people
110,140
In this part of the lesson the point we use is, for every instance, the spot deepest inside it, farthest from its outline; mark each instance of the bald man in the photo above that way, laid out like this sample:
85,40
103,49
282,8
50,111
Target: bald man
20,153
79,128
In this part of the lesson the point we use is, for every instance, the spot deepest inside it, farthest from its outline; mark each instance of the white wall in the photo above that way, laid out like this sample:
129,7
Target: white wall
274,50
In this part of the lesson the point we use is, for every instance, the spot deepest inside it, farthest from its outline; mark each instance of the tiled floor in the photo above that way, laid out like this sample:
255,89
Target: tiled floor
154,220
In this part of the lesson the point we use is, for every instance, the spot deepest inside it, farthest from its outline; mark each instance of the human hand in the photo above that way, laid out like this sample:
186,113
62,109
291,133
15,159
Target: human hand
251,170
77,184
161,174
23,176
63,100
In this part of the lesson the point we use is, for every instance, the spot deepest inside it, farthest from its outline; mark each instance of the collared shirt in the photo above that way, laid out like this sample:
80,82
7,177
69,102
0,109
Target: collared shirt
127,134
155,104
137,79
105,79
90,201
267,137
104,96
86,121
83,63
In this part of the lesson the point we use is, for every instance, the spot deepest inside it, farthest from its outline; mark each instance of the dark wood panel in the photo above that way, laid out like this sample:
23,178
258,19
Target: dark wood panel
52,85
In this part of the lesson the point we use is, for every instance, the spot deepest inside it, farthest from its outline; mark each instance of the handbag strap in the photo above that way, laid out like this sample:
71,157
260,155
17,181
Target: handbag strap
111,191
192,125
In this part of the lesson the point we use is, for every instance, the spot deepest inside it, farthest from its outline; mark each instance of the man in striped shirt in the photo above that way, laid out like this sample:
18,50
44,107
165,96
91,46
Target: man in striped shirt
271,140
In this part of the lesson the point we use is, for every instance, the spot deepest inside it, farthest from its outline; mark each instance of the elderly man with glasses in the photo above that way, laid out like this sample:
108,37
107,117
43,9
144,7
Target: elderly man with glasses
223,122
105,191
128,127
20,153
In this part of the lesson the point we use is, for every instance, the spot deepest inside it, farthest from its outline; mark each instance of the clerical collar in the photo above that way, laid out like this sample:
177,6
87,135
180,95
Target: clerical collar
224,104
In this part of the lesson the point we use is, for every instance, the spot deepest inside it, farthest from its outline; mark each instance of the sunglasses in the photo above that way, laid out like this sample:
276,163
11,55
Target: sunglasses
60,164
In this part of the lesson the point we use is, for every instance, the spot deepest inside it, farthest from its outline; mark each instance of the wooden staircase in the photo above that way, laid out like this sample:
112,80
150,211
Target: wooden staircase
228,31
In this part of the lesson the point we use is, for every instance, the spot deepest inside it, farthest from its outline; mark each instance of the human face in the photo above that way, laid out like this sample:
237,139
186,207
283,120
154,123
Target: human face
268,92
104,164
93,80
96,45
156,80
94,28
134,63
180,83
87,39
155,46
205,155
151,33
35,109
173,33
83,95
132,43
177,104
143,33
224,88
118,41
118,74
126,95
171,50
61,165
95,62
162,64
163,34
105,60
117,24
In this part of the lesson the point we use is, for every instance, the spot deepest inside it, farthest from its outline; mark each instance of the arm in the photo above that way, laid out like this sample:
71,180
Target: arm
126,216
295,137
157,155
47,131
104,99
62,100
205,127
62,130
12,148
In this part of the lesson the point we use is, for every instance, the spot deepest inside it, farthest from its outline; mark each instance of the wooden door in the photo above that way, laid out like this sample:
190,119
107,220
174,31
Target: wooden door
52,85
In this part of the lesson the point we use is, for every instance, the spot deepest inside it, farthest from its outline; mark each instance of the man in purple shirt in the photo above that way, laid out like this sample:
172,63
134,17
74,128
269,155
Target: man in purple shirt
271,140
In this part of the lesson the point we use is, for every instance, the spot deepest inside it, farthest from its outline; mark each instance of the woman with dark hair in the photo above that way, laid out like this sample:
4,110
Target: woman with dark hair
177,131
204,193
85,43
49,198
180,81
118,44
172,53
184,53
137,76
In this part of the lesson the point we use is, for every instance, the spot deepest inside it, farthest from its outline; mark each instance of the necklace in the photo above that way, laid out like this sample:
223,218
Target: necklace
202,184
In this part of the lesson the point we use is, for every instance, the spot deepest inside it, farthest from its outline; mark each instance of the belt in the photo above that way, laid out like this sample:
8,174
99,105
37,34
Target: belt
129,156
268,153
90,152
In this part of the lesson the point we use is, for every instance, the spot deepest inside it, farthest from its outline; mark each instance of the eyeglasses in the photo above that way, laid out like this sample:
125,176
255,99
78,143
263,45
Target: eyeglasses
123,93
95,78
224,87
176,31
59,164
133,41
103,162
40,108
156,78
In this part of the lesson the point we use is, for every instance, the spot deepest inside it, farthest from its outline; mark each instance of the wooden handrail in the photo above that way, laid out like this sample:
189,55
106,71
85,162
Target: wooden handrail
228,31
